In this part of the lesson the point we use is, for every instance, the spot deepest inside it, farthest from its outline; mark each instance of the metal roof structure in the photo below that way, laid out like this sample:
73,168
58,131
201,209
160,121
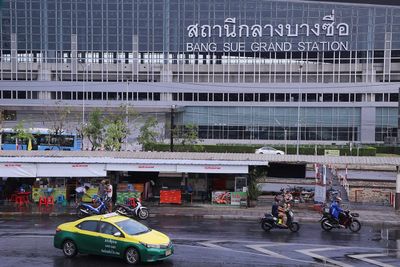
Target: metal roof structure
184,158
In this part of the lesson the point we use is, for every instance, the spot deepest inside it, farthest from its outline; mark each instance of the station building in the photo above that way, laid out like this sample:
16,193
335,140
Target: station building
242,71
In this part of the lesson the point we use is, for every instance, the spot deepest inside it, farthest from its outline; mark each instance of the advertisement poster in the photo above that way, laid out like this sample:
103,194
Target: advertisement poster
221,197
236,197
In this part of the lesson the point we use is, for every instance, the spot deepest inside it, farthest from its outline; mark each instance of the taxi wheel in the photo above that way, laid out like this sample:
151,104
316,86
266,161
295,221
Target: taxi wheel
132,256
69,249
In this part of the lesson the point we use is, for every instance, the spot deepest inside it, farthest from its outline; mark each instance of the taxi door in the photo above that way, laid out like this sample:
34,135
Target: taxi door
108,244
86,236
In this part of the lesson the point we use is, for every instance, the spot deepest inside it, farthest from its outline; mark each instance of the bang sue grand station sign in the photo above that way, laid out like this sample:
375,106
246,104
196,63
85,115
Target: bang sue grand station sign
328,29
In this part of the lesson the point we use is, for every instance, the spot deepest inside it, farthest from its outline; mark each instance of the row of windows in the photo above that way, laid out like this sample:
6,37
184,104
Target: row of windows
203,97
278,133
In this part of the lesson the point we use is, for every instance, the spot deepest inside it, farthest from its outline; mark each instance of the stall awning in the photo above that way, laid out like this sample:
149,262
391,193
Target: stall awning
212,169
141,167
18,169
71,170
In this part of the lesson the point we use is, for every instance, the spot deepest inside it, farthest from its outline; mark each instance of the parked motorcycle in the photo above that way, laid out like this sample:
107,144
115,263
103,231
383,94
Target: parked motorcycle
269,221
138,211
84,210
347,220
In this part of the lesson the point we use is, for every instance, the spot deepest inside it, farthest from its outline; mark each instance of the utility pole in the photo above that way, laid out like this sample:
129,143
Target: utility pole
171,148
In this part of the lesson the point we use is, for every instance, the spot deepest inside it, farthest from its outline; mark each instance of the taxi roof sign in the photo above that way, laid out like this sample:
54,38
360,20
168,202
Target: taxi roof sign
109,215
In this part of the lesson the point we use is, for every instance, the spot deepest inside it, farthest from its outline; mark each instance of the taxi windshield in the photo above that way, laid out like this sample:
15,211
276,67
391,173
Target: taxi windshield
132,227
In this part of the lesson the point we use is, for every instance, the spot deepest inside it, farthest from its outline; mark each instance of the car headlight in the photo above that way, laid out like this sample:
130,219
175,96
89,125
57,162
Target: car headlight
150,245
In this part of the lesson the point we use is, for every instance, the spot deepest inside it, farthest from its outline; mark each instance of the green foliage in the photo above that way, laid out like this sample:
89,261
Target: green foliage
21,133
115,133
189,138
238,148
255,173
94,130
148,135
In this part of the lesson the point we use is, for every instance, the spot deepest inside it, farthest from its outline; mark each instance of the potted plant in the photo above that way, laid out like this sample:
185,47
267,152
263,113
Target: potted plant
253,191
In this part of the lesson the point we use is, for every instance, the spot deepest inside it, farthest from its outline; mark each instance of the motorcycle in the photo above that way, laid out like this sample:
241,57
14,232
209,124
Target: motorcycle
269,221
138,211
84,210
328,222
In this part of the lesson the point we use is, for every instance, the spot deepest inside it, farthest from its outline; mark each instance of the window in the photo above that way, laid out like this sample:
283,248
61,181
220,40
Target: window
394,97
217,97
233,97
203,97
66,95
142,96
312,97
88,226
248,97
327,97
343,97
279,97
21,94
112,96
187,97
359,97
7,94
378,97
96,95
264,97
107,228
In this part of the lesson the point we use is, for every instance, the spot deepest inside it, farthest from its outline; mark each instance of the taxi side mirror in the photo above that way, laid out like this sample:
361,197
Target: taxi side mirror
118,234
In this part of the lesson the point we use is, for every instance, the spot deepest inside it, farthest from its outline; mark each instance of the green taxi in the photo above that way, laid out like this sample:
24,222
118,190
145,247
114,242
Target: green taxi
113,235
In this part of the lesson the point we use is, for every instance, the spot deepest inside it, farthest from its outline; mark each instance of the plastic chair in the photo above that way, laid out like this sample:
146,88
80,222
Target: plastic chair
60,200
50,201
42,201
19,200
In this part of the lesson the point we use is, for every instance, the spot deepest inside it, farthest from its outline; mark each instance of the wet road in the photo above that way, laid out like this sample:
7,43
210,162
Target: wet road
200,242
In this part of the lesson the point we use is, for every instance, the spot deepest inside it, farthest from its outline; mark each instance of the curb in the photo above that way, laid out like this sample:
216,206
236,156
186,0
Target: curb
254,218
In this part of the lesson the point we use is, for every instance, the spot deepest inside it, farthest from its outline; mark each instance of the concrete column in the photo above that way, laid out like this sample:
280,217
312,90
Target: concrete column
368,122
14,61
397,198
74,57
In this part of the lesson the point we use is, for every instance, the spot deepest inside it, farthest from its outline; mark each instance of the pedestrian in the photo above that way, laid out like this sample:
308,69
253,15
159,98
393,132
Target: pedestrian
109,194
101,192
80,192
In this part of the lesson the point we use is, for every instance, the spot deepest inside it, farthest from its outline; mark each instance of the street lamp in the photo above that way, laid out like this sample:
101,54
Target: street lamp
298,110
172,128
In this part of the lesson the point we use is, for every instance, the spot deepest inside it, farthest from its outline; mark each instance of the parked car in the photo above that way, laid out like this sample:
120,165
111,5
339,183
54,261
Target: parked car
269,150
113,235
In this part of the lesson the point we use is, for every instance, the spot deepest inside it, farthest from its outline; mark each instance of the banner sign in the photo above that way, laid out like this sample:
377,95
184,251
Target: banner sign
236,197
328,27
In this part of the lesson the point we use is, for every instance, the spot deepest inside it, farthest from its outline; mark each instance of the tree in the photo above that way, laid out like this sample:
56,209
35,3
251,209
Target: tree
255,173
148,134
21,134
117,127
58,121
95,128
189,136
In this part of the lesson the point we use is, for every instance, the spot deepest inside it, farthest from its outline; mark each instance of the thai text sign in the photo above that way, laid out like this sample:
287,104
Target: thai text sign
328,28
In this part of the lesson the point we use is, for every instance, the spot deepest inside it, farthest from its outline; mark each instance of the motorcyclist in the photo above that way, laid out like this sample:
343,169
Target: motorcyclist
335,209
282,212
275,205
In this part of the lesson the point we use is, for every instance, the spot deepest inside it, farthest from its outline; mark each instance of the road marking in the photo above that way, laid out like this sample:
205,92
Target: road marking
310,252
211,244
364,257
262,249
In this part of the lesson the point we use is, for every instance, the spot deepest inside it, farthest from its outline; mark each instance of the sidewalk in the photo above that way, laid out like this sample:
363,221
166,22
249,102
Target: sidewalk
369,215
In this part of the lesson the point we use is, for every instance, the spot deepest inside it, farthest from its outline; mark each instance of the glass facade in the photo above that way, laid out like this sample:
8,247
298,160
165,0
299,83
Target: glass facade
213,42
